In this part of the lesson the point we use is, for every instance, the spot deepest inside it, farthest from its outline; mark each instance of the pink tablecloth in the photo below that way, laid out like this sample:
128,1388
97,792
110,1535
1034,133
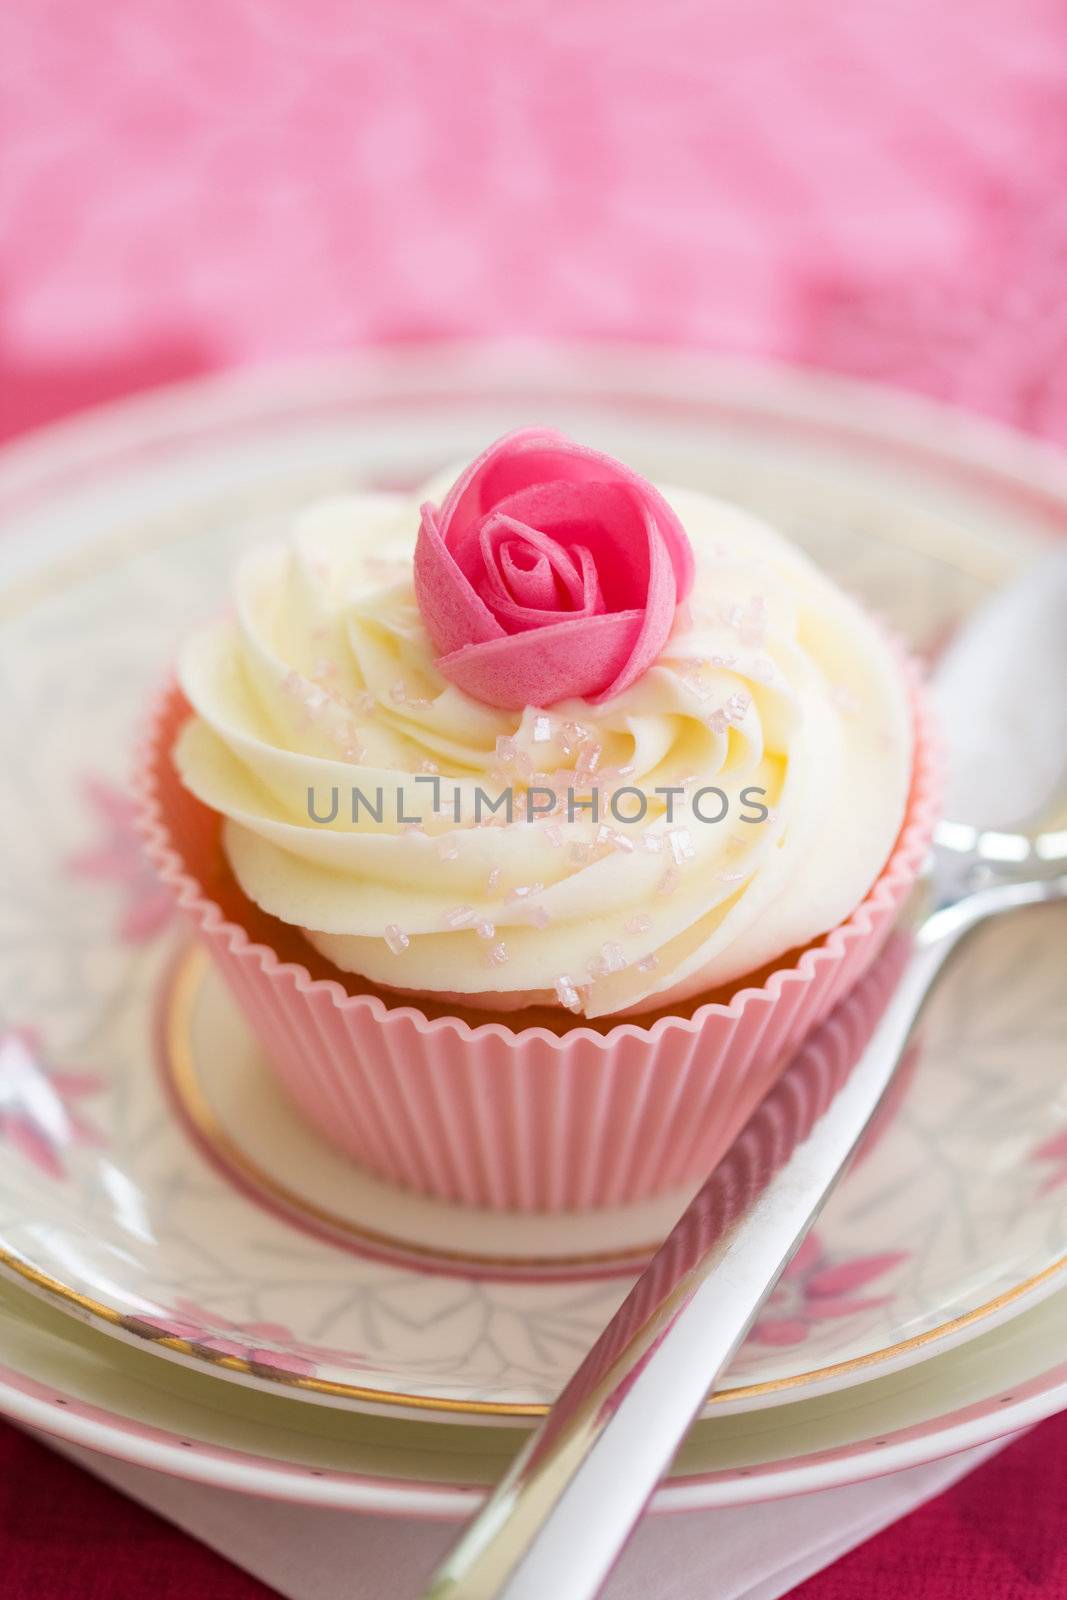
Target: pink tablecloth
879,188
875,188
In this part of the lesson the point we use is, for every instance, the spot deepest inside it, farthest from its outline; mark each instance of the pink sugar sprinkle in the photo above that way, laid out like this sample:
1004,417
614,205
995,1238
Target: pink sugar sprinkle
365,701
497,956
542,729
613,957
648,963
754,621
639,924
506,748
588,758
493,881
430,767
609,777
723,661
447,848
354,752
522,891
399,692
485,929
693,677
652,843
578,853
736,707
730,877
567,994
717,722
309,696
459,917
572,734
539,916
396,939
554,834
682,846
668,883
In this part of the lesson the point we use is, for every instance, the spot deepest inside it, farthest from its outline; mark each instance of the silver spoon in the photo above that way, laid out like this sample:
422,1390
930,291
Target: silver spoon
558,1520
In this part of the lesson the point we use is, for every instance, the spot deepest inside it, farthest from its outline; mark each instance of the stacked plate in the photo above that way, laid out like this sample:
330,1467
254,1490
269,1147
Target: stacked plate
189,1279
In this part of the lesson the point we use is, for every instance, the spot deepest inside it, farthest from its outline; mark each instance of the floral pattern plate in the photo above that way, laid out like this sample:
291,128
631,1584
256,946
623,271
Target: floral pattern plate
70,1381
151,1181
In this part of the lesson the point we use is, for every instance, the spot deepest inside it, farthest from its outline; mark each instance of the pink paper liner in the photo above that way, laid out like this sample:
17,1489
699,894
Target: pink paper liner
527,1119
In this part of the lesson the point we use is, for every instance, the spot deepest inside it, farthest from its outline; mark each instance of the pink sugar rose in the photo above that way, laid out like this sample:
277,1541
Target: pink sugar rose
550,571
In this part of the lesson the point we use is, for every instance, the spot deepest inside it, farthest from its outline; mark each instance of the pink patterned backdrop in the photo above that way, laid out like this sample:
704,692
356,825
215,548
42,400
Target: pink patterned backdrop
876,187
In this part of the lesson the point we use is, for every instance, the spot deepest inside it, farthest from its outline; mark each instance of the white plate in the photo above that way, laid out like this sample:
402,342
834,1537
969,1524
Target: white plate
248,1249
68,1380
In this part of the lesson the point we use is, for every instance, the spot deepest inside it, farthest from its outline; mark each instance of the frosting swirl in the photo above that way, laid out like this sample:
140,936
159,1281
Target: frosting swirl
749,786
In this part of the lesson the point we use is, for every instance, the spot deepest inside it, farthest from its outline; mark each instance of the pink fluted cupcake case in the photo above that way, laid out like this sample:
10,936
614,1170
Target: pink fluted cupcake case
488,1115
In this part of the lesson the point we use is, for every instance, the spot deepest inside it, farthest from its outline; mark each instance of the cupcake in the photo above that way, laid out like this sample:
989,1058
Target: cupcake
535,820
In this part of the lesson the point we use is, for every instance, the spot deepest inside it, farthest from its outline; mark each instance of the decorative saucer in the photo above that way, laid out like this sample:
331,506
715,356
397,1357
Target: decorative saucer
155,1185
69,1381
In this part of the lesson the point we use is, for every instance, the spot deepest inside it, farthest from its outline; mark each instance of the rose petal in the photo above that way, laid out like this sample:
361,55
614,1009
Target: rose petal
575,658
539,456
529,577
607,519
508,464
498,570
454,615
501,538
575,570
660,603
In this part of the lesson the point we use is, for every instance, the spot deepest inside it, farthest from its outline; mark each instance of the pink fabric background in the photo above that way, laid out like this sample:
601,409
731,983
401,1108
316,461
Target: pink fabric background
878,188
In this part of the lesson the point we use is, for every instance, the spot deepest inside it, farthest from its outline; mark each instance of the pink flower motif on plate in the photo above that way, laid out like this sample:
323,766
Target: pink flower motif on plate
118,858
38,1104
814,1289
216,1336
1054,1150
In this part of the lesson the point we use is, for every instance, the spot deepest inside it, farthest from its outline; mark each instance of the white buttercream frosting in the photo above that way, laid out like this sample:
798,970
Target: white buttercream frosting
323,679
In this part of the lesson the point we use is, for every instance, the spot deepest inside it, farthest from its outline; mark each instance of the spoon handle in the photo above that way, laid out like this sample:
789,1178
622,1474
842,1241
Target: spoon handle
557,1522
